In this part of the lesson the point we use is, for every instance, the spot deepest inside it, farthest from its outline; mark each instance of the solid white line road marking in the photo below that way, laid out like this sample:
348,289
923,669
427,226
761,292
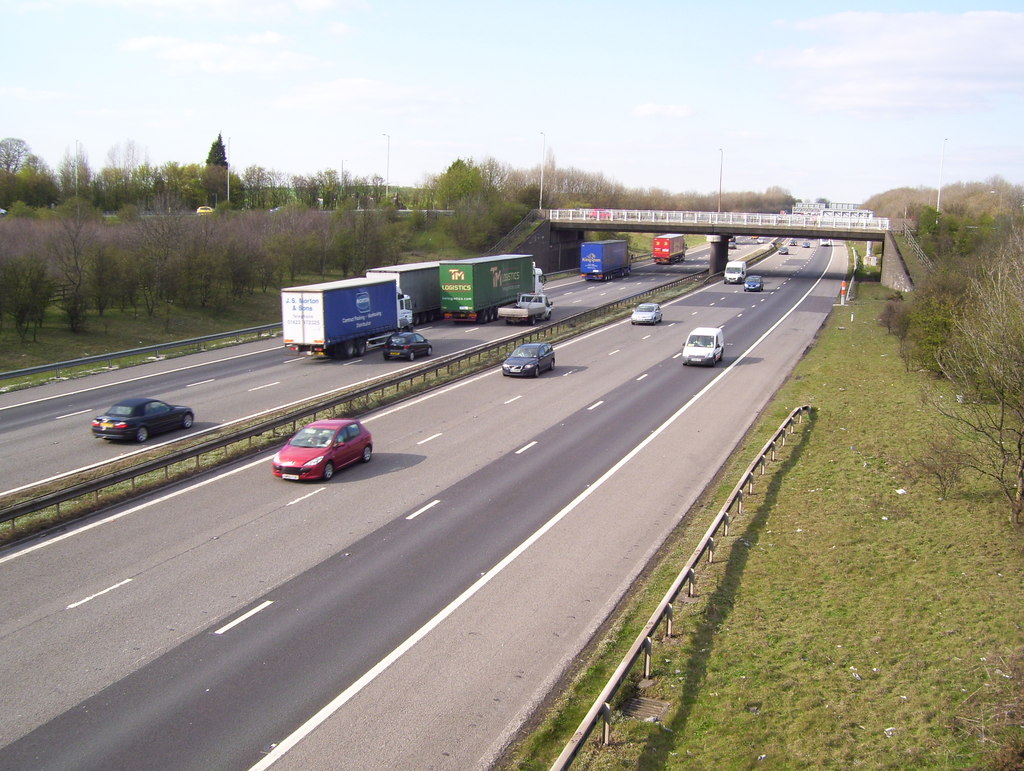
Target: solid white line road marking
642,376
268,385
509,401
596,404
282,747
201,382
612,353
244,616
94,596
424,441
420,510
525,448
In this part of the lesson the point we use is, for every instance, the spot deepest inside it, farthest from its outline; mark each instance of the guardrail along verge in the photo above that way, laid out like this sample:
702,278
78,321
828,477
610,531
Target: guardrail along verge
687,578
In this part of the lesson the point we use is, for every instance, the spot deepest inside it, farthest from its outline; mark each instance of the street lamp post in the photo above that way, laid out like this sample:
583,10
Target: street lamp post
721,163
387,171
942,161
543,152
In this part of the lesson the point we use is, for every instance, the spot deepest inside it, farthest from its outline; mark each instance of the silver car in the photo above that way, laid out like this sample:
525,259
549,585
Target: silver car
646,313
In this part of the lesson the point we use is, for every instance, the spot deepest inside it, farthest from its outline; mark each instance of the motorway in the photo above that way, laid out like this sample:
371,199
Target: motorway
414,610
45,432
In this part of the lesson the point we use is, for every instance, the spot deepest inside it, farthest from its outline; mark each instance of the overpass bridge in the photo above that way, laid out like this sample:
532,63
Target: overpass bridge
839,226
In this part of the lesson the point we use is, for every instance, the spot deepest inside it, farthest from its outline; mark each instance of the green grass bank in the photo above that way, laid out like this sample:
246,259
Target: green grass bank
854,618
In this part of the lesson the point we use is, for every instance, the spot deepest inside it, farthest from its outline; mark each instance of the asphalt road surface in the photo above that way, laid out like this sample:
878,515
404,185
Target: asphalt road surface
414,610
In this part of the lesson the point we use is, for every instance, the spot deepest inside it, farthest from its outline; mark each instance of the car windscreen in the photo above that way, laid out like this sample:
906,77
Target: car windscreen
313,437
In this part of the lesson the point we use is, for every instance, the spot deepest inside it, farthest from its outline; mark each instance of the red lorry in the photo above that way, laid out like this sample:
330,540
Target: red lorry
669,248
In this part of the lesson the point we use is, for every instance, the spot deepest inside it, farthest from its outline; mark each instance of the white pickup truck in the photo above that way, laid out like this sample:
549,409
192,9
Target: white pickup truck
527,310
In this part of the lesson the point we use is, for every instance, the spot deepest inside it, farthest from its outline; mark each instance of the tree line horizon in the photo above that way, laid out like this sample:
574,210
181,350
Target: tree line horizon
128,179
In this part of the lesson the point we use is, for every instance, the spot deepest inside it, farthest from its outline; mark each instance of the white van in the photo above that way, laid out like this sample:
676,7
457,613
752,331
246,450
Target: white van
735,272
704,346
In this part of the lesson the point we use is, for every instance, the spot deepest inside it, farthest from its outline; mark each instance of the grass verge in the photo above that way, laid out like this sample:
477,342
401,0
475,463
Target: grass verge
854,617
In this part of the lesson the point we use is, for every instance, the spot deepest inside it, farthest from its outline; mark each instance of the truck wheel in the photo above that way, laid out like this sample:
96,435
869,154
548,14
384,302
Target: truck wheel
346,349
360,347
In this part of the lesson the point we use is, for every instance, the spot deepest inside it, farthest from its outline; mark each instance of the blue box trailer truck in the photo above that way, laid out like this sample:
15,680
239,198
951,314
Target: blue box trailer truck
604,260
340,319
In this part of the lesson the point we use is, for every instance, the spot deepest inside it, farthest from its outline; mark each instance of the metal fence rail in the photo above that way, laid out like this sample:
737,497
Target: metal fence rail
87,494
644,643
109,358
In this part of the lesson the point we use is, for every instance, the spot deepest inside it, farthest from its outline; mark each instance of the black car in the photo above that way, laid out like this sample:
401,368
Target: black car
407,345
138,419
529,360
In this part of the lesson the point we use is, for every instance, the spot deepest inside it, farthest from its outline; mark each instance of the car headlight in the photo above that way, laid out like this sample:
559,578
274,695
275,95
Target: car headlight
277,458
314,462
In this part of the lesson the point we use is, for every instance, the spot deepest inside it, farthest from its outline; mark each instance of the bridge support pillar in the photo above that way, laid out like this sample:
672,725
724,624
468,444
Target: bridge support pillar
719,254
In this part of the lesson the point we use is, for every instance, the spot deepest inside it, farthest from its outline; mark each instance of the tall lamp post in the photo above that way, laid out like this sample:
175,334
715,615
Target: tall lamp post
721,163
942,161
387,170
227,168
543,152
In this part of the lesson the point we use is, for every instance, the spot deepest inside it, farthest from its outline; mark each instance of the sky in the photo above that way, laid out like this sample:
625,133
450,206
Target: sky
837,102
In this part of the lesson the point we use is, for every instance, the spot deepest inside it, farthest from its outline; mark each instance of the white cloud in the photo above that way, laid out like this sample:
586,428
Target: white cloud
903,64
263,52
663,110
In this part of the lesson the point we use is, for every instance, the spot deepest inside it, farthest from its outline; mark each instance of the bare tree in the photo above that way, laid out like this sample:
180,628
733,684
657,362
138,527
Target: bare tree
984,360
13,153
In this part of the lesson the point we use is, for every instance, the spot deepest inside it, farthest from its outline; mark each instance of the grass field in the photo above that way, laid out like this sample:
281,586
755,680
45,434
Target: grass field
855,617
122,330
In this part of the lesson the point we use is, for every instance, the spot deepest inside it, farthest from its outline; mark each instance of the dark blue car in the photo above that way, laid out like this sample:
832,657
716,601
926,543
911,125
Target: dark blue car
139,419
753,284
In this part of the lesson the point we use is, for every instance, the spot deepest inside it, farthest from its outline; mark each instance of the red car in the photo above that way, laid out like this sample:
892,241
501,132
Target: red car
323,447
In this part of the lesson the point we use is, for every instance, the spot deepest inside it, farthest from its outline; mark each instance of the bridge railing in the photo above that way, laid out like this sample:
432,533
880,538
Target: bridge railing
833,221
